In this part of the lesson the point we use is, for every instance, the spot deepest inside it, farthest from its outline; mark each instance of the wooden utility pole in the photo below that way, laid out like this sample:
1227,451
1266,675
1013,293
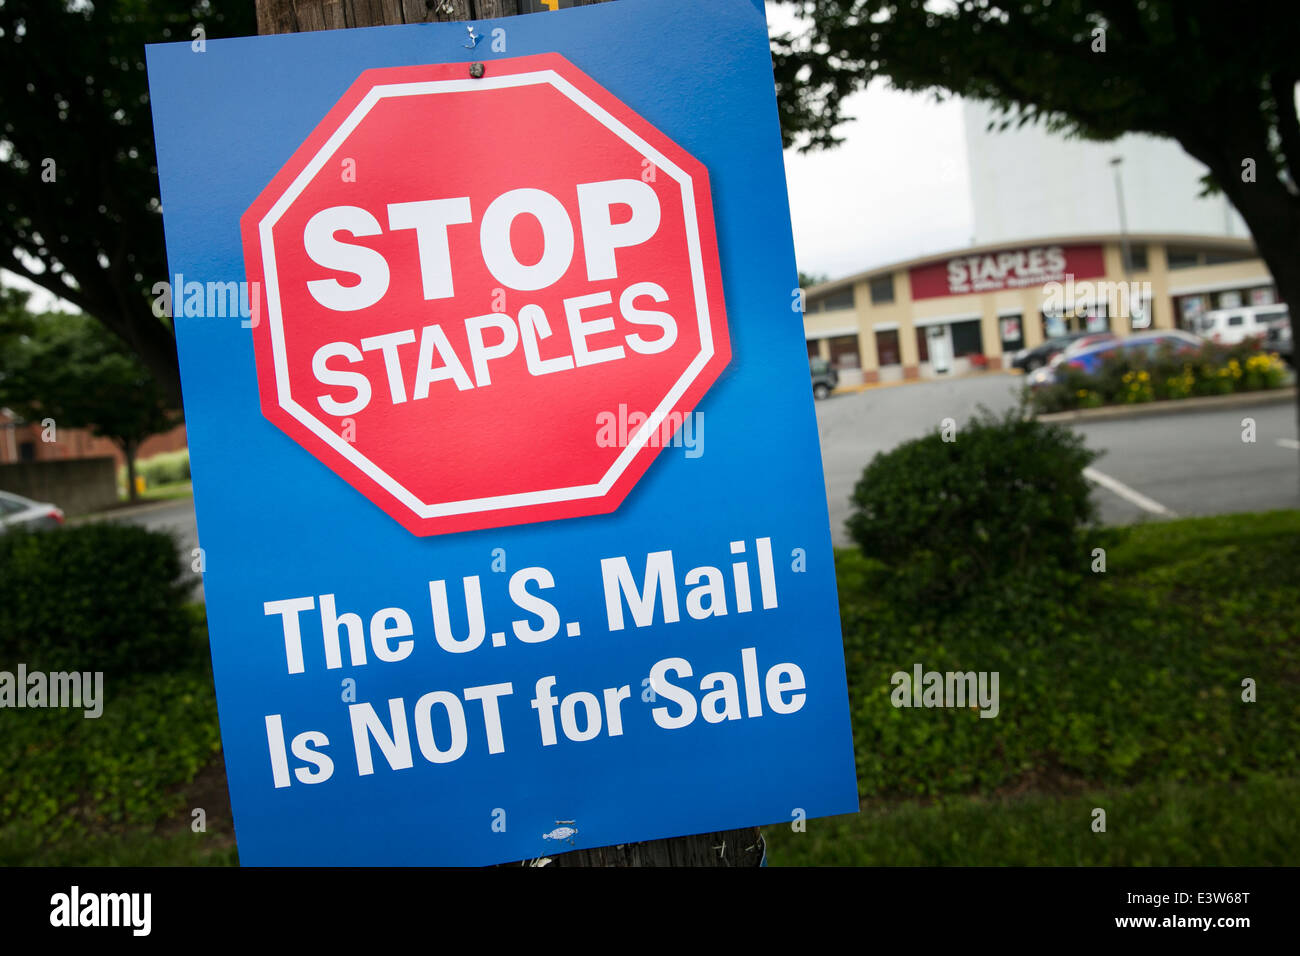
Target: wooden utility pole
729,848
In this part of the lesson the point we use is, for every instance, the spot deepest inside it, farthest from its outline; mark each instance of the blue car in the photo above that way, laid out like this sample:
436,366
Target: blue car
1089,360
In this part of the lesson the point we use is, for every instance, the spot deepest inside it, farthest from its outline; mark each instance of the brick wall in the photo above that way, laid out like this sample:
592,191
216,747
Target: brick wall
71,443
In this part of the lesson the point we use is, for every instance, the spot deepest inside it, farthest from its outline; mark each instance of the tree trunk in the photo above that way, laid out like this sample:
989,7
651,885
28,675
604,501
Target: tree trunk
729,848
1271,212
129,449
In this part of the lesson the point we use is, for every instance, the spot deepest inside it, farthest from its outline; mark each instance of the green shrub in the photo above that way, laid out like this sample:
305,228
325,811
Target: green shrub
167,468
104,597
1005,501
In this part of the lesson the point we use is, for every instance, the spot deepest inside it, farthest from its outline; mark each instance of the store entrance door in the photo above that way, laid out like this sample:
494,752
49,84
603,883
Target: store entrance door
940,347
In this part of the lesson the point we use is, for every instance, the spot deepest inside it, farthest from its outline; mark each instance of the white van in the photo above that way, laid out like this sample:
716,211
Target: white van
1230,326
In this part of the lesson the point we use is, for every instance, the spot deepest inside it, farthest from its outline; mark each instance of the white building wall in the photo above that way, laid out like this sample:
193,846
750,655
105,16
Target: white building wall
1028,183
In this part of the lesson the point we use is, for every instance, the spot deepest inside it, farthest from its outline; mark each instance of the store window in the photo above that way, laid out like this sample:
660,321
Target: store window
1054,325
887,350
882,290
1217,258
814,349
1097,321
1011,331
842,299
922,345
967,338
1190,308
844,352
1137,257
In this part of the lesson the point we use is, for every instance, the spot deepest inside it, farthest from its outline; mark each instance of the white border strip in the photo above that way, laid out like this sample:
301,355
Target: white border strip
1127,493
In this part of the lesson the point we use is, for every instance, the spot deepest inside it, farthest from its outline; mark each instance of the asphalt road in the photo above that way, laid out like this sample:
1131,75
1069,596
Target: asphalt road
1151,468
1198,464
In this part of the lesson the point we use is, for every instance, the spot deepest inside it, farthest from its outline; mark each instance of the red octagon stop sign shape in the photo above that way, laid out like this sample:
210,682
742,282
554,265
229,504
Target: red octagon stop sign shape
485,301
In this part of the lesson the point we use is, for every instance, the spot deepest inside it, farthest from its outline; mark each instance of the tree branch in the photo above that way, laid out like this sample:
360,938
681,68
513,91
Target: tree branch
51,283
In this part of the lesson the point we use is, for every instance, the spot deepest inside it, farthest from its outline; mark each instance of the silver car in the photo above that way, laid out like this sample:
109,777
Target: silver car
19,512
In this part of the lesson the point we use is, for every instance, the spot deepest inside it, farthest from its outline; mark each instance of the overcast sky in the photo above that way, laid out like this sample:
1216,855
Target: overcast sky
897,188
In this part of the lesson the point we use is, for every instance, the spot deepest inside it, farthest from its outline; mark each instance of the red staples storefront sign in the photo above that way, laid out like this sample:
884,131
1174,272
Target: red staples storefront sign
1008,269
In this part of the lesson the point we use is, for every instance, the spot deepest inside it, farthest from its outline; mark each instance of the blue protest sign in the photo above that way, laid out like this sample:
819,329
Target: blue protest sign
502,437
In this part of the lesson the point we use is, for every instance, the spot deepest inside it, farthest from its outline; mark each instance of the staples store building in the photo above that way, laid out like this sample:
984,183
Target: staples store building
975,308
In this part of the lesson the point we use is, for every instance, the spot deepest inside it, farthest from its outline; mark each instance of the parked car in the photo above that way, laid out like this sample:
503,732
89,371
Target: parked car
1040,355
1089,359
19,512
1281,340
824,377
1230,326
1085,342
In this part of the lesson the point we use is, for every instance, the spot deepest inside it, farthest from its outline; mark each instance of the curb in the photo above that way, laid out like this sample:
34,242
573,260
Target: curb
128,512
1181,406
869,386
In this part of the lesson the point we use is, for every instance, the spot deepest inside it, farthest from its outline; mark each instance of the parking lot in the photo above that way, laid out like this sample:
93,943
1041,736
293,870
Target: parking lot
1151,467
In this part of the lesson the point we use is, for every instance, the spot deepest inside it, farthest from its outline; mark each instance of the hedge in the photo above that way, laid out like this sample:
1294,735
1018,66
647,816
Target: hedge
107,597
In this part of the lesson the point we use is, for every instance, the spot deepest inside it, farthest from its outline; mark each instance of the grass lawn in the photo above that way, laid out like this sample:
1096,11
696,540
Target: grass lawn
1125,695
168,492
1165,824
130,847
119,788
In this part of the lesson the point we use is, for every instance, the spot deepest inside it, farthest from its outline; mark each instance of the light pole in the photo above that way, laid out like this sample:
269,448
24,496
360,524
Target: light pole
1123,220
1127,255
